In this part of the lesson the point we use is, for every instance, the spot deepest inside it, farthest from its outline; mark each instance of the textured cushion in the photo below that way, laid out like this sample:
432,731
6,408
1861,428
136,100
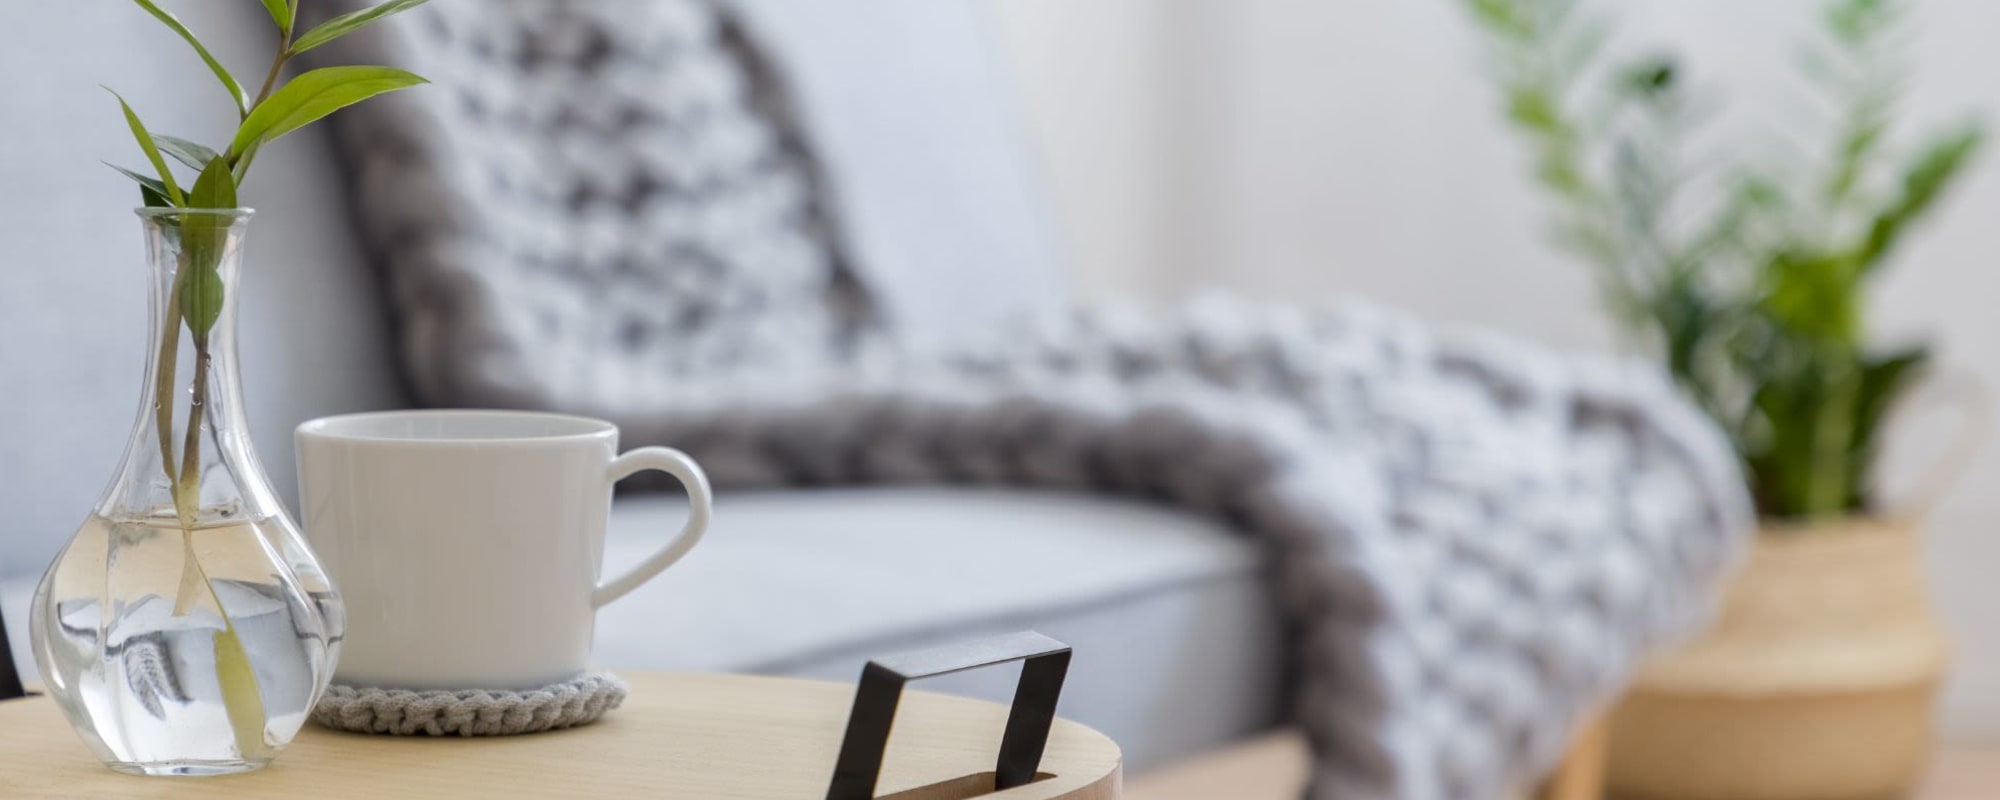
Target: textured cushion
600,199
587,200
1177,647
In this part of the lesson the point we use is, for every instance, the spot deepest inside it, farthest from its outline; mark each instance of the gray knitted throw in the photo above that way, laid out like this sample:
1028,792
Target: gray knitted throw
604,208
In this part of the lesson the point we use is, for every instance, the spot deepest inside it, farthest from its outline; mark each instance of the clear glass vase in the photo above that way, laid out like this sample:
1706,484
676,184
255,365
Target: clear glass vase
187,629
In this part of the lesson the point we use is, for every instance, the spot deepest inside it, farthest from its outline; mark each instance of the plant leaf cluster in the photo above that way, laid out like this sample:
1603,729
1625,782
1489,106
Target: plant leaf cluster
277,108
1747,277
196,297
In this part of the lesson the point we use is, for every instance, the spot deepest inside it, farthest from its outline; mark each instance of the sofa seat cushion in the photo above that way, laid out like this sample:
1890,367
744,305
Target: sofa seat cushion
1177,645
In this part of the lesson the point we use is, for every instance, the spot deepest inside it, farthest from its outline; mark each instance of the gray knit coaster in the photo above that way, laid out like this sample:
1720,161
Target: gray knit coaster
471,712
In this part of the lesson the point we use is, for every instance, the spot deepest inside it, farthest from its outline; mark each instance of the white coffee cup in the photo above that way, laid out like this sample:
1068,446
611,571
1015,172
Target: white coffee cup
467,544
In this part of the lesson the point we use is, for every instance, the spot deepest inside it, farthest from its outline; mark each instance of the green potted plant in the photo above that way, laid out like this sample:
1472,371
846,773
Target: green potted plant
1749,282
187,629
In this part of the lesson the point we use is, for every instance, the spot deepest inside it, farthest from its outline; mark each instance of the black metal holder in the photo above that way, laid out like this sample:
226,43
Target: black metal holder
1046,663
10,678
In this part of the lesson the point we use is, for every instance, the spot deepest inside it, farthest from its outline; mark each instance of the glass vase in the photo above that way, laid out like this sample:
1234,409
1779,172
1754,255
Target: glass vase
187,629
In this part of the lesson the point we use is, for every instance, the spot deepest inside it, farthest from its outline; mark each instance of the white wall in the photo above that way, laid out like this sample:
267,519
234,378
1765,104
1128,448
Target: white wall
1302,150
1096,77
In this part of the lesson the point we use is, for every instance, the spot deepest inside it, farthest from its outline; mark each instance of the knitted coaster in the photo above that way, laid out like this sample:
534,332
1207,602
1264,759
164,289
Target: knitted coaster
470,712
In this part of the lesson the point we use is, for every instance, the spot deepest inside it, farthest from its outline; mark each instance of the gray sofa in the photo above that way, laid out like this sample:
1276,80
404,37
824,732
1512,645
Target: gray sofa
1178,649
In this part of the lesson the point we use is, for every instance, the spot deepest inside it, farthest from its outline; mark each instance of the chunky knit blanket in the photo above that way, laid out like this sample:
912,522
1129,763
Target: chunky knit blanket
604,207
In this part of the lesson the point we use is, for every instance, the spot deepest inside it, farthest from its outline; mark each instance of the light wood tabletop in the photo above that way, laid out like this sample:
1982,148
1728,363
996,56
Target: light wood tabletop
1274,768
714,737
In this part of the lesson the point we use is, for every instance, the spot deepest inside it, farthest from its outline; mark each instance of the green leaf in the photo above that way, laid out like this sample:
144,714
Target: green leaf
348,23
1534,109
201,300
1503,18
153,199
314,95
189,153
147,183
1934,171
221,72
203,237
281,13
173,191
1883,380
1858,22
1860,141
1651,76
216,188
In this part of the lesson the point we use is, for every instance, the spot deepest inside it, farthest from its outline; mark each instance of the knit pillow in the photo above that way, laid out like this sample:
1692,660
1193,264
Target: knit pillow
595,196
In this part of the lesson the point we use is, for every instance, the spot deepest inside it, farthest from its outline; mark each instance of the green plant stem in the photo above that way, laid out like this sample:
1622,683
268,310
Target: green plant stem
239,163
241,169
271,77
242,698
187,489
1826,484
190,476
185,509
163,380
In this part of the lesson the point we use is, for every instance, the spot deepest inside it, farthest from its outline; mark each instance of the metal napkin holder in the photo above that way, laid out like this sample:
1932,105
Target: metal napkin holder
1045,662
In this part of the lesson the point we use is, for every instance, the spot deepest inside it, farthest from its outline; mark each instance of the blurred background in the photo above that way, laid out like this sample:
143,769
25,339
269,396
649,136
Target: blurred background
1306,152
1299,152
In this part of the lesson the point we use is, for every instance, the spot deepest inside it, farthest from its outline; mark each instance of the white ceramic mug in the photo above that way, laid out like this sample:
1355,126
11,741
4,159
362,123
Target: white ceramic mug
467,544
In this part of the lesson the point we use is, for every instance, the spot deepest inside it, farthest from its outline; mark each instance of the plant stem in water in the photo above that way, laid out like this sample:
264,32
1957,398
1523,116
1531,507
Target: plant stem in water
242,698
187,490
163,382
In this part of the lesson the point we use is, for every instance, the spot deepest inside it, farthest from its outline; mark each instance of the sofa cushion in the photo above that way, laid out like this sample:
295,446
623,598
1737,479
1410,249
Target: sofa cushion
908,108
1168,613
1177,648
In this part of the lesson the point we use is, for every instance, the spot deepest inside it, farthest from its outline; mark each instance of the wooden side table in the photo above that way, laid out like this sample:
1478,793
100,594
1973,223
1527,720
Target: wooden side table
699,737
1274,768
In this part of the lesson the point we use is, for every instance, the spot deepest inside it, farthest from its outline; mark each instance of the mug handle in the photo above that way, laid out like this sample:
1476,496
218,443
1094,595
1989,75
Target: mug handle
675,463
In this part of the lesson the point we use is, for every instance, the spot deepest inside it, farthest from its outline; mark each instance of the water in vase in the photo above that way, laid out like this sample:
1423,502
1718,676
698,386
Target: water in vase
182,651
